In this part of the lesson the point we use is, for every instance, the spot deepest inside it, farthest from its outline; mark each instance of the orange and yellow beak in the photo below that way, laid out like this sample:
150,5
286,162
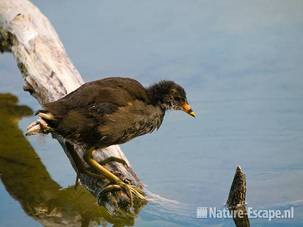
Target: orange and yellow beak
187,109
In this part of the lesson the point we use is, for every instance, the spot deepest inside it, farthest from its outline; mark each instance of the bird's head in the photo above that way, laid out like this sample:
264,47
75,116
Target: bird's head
170,96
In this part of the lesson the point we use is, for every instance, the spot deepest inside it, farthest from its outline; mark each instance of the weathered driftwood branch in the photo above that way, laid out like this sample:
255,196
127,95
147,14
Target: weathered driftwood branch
236,199
49,75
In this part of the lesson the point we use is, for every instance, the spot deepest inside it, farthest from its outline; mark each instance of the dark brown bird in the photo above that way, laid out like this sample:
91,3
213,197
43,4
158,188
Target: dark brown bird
112,111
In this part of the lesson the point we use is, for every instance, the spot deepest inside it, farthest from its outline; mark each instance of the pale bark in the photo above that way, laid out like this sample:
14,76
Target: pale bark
48,75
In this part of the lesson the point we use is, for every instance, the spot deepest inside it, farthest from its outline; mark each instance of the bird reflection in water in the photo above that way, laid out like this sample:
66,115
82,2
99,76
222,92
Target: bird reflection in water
27,180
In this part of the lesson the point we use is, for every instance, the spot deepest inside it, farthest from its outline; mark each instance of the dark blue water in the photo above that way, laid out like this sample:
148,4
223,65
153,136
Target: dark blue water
241,64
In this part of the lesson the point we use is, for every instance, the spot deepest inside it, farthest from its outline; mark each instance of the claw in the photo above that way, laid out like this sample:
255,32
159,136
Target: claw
129,189
112,187
129,193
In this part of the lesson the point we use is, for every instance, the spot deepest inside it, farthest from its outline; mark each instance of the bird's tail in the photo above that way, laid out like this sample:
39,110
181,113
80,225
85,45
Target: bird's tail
40,125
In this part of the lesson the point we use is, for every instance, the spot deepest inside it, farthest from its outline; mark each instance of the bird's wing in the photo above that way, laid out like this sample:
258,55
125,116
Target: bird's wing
113,90
131,86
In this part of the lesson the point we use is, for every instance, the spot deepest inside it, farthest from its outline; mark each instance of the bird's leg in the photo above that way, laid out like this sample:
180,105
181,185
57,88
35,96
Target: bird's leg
81,168
107,188
114,159
130,189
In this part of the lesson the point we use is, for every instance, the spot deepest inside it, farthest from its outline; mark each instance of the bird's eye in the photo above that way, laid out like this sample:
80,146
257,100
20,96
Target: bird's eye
177,99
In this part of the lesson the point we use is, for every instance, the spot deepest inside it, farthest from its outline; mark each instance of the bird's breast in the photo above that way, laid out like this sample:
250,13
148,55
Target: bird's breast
131,121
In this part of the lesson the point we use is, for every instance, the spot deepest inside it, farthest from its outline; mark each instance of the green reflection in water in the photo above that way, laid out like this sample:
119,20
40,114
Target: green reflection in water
27,180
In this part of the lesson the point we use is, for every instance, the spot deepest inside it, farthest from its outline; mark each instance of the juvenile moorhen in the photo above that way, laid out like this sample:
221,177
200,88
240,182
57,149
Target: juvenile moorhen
111,111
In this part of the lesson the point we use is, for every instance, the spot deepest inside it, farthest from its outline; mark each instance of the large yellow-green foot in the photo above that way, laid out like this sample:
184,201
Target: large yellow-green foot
117,183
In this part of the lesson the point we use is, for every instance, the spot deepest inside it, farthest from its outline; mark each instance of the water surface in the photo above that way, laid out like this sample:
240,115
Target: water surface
241,64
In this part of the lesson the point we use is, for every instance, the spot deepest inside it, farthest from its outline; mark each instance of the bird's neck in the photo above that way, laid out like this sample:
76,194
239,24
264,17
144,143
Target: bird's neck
156,93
